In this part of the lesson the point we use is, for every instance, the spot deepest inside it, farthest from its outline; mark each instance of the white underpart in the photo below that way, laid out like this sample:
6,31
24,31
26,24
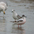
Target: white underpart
23,20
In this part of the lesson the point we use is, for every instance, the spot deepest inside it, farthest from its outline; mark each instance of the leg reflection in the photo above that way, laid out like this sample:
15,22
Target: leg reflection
2,24
4,20
19,30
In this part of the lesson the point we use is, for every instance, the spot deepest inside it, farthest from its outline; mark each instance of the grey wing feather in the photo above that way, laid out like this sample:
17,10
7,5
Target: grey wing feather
18,16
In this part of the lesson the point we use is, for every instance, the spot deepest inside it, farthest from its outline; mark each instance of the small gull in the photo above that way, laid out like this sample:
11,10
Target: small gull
15,15
21,21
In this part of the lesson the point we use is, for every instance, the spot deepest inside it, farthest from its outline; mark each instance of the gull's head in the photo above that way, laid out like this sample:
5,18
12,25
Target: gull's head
23,16
13,10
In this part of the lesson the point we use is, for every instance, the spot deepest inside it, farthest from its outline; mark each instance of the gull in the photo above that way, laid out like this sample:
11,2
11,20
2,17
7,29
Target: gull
21,21
15,15
3,7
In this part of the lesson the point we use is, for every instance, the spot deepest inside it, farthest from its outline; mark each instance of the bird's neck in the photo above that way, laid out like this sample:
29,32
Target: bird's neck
23,17
15,13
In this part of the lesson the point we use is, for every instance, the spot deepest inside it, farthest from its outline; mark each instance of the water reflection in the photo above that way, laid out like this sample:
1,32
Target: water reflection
2,20
2,24
17,30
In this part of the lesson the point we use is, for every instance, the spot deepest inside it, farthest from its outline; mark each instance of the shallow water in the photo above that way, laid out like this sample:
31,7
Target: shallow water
26,8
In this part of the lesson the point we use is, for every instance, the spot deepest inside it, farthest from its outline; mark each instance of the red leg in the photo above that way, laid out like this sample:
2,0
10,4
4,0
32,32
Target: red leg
15,20
18,26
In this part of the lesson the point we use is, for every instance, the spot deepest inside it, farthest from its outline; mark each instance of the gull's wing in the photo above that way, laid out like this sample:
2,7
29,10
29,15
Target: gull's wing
18,16
18,21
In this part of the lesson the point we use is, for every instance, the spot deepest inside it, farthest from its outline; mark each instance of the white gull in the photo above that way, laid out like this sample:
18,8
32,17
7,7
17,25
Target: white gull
3,7
15,15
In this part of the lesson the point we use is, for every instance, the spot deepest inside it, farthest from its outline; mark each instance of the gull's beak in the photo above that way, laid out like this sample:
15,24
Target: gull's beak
4,12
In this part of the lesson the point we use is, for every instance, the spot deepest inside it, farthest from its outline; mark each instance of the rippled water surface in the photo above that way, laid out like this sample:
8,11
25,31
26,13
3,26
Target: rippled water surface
21,7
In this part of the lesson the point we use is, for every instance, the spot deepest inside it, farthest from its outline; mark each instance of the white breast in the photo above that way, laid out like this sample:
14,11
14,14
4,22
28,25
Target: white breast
24,20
